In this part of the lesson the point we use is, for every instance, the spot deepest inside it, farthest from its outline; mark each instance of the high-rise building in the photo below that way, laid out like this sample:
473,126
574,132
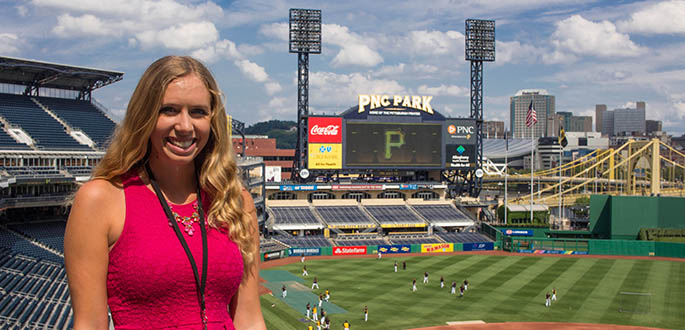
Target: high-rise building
580,124
627,121
564,119
493,129
600,109
653,126
544,107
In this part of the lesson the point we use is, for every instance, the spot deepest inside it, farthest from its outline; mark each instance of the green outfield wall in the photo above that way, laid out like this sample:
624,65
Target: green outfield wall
621,217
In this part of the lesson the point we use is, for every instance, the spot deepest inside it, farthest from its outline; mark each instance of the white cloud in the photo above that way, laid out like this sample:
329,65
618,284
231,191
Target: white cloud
341,90
154,12
22,10
581,37
9,43
272,87
252,70
661,18
224,49
449,90
184,36
431,43
515,52
354,49
275,30
85,25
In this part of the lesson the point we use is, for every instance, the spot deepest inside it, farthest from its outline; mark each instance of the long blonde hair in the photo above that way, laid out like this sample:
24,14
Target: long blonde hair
216,164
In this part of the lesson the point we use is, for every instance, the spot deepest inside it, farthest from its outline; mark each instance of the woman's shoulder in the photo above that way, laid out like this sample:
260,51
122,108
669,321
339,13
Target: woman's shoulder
99,192
248,202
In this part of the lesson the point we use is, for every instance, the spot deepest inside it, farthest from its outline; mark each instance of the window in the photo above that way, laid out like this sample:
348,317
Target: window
391,194
358,195
321,195
283,195
426,195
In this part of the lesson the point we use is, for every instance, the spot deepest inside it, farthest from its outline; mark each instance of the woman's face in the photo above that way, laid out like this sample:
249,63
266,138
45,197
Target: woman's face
183,122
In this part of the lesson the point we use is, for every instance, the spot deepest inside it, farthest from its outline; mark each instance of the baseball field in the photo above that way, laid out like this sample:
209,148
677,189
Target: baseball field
511,288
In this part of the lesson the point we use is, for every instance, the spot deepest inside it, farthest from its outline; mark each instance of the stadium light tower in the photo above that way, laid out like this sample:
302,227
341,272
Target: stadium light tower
480,46
305,39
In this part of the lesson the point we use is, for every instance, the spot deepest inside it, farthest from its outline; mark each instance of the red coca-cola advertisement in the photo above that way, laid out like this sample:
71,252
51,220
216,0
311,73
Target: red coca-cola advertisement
347,250
325,130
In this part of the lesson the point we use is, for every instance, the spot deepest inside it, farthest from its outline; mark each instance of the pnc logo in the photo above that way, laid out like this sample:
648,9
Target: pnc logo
451,129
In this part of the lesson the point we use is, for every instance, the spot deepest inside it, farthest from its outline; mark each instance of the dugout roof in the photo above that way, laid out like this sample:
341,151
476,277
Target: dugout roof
38,74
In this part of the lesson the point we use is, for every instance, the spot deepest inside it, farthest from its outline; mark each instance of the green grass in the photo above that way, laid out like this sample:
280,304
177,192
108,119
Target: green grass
501,289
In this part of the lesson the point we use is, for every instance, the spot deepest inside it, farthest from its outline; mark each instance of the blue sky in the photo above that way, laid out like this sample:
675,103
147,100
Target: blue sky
582,51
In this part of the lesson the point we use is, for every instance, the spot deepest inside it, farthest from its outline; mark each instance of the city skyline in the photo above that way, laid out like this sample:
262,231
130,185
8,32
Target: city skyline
582,52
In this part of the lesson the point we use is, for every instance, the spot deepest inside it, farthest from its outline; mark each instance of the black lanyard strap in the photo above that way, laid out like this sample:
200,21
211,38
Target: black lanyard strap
200,284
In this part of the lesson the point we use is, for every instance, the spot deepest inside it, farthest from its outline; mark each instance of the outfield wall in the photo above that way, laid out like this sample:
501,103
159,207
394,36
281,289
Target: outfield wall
621,217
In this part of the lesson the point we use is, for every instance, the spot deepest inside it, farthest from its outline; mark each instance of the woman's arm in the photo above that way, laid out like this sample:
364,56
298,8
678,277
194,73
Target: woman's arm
246,310
86,253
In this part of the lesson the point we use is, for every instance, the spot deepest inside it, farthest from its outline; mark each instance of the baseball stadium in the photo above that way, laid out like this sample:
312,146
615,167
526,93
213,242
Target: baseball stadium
391,192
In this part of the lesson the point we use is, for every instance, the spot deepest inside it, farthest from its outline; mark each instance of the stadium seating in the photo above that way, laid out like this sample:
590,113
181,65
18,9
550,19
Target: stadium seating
46,132
464,237
268,245
295,216
83,115
394,215
443,215
375,240
8,143
49,233
303,241
344,216
18,244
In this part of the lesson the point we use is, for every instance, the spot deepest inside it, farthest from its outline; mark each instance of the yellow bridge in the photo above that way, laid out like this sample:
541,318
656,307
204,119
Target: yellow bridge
635,168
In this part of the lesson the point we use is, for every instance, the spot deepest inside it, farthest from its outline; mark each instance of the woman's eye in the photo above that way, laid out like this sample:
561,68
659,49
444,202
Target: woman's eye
167,110
199,112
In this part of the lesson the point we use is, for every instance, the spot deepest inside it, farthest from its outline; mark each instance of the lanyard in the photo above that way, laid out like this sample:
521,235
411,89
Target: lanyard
200,284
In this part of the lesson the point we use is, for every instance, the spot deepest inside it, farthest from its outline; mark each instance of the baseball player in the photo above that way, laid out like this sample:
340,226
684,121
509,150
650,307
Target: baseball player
547,300
304,271
346,325
366,313
328,324
308,309
285,292
466,284
454,288
413,285
320,300
302,258
404,265
395,266
318,325
328,295
461,291
323,316
315,283
425,277
554,294
314,315
379,255
310,327
442,282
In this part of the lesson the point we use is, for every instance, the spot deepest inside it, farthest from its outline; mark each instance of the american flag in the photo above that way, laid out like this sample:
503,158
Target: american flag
531,116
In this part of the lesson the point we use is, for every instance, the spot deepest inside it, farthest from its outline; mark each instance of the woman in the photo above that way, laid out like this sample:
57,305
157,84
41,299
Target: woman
164,234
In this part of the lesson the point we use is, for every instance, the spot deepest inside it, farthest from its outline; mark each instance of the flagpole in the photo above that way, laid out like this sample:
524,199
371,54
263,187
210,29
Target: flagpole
560,164
506,174
532,160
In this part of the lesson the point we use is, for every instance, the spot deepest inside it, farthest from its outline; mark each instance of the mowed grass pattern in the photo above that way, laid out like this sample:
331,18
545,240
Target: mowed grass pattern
501,289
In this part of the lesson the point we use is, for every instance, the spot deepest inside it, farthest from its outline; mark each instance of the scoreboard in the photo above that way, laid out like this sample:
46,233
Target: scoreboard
391,132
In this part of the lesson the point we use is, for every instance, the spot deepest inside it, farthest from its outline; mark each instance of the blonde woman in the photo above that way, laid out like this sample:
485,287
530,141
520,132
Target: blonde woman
164,234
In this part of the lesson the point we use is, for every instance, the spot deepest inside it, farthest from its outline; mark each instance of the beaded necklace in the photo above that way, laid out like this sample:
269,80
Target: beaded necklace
187,222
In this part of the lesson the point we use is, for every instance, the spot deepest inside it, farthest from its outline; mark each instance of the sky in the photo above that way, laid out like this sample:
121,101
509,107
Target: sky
583,52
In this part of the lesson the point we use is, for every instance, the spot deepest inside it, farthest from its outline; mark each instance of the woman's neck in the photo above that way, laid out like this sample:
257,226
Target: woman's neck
178,183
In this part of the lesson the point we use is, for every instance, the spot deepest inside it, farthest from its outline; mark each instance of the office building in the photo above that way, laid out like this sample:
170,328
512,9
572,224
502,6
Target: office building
493,129
265,147
580,124
627,121
653,126
544,105
600,109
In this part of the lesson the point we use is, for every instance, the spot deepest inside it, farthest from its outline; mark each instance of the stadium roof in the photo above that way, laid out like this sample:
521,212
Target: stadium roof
497,148
51,75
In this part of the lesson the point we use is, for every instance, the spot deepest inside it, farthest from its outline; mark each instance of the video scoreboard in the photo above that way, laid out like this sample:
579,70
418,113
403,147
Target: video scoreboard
391,132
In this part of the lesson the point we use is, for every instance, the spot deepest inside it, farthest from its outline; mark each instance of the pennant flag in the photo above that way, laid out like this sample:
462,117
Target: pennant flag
532,116
562,137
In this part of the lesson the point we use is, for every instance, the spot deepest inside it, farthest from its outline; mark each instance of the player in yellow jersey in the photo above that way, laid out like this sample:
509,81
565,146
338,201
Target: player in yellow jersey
314,315
346,325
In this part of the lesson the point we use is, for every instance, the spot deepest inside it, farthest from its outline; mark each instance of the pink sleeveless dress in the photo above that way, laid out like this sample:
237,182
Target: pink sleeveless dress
150,283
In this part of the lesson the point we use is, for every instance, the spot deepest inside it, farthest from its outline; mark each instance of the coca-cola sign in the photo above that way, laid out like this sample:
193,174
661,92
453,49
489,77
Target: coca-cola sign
325,130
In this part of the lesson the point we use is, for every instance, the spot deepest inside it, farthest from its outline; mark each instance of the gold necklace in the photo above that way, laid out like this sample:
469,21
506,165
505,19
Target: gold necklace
187,222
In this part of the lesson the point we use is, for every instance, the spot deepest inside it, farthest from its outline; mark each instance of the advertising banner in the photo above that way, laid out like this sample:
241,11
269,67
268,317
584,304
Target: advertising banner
439,247
406,186
273,174
460,156
460,131
403,248
357,187
305,251
325,156
297,188
551,251
348,250
479,246
325,130
274,255
518,232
